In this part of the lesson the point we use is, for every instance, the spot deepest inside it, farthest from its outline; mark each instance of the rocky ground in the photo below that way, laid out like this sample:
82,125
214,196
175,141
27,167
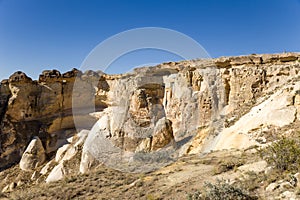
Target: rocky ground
180,180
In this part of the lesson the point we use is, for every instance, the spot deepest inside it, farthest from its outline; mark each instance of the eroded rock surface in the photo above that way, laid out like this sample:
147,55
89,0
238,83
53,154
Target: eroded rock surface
206,101
41,108
34,155
190,106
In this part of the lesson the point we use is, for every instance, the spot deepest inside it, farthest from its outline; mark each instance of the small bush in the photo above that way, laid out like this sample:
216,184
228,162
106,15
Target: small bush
283,154
224,191
152,197
252,180
195,196
221,191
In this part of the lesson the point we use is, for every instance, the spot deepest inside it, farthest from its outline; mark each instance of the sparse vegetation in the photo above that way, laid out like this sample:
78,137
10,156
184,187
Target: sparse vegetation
152,197
252,180
221,190
195,196
283,154
103,181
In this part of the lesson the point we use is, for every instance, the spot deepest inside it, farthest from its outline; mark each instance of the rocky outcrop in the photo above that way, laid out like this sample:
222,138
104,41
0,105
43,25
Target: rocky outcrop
34,155
41,108
87,162
58,167
190,106
202,99
58,173
163,135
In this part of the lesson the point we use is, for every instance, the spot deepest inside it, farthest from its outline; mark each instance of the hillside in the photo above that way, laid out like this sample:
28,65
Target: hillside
161,132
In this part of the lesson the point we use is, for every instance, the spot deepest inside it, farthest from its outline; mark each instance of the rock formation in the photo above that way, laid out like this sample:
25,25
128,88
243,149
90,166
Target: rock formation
177,107
58,172
204,100
33,156
40,108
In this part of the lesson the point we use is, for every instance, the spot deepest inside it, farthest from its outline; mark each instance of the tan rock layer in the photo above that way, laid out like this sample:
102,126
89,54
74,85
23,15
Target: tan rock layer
180,91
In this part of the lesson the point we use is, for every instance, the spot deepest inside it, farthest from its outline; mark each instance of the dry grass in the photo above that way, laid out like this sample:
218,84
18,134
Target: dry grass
95,185
105,183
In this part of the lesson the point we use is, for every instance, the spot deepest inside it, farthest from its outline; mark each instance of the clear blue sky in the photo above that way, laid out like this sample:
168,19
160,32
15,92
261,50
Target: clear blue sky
46,34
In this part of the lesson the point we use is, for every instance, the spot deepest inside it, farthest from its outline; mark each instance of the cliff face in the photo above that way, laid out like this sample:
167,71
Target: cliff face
40,108
204,100
185,107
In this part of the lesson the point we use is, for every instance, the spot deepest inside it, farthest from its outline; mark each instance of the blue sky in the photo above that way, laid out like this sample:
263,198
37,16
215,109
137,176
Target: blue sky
36,35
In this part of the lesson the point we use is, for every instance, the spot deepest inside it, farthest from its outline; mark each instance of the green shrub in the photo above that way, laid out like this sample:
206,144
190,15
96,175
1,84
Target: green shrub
221,191
252,180
195,196
283,154
225,191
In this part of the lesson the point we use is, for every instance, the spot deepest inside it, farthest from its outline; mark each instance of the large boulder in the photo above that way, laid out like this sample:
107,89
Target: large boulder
33,156
58,173
87,162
